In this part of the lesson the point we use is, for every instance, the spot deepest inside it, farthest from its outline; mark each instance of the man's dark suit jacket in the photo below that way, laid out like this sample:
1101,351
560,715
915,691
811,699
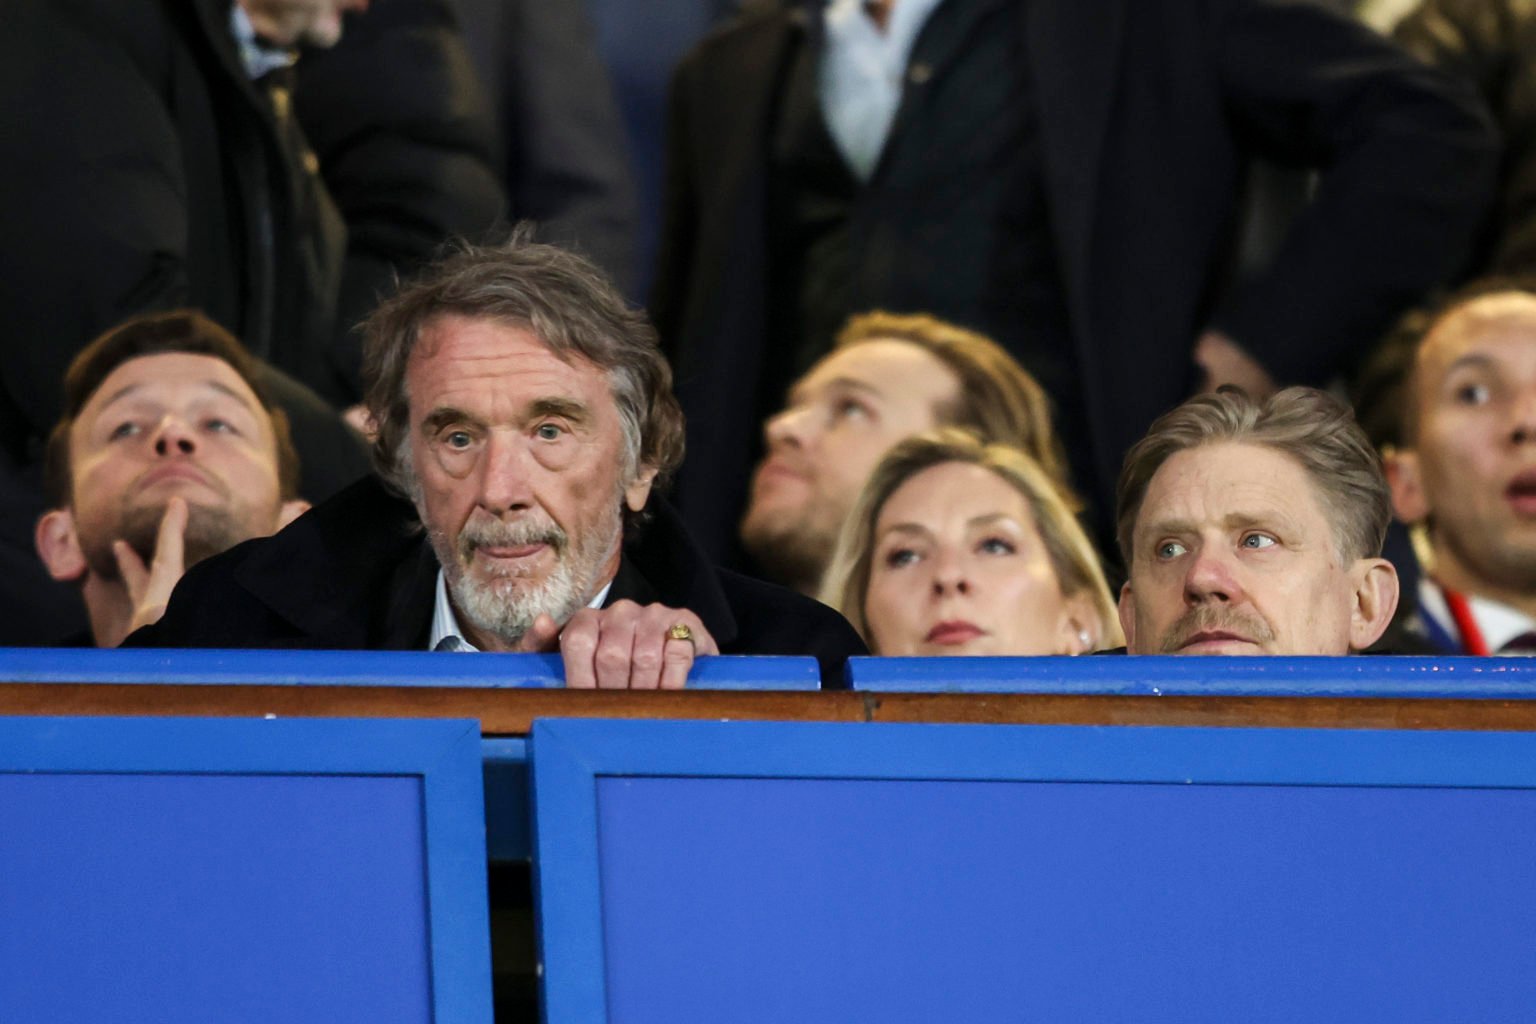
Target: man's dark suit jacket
358,573
1148,111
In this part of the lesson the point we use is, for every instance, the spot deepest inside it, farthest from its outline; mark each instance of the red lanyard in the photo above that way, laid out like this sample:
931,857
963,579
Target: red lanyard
1472,641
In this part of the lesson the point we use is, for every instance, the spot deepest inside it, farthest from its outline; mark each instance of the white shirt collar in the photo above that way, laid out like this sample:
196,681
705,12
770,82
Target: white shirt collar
445,624
862,72
1499,622
258,56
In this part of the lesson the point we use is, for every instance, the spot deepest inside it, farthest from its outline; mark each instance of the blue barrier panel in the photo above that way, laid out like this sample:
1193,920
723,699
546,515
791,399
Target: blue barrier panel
1482,678
769,872
194,870
365,668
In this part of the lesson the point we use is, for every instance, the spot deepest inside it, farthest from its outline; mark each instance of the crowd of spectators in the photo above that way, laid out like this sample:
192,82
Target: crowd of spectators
949,332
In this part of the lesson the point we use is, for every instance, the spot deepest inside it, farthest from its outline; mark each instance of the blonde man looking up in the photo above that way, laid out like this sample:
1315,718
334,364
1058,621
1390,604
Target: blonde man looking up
888,377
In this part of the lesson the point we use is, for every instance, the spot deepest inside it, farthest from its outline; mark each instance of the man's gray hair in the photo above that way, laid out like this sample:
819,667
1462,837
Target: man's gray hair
1311,426
558,296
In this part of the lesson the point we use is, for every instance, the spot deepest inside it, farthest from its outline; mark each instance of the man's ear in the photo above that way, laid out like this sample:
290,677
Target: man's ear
638,491
1376,593
1409,502
59,545
1127,609
290,511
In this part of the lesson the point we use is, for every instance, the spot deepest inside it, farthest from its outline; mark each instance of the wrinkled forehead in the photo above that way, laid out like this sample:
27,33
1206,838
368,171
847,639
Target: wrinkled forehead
491,370
171,380
1225,484
496,343
896,370
1499,328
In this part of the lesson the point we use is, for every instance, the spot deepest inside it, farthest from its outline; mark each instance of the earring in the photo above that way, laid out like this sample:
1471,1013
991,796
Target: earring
1084,639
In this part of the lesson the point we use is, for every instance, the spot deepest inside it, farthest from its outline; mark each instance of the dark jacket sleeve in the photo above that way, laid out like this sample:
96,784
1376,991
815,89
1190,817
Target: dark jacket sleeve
94,204
1488,44
773,620
679,212
401,127
567,162
209,609
1406,157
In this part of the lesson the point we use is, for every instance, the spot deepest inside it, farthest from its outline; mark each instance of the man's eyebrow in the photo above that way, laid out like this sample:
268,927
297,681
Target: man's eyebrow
797,394
127,390
1232,520
853,384
1241,520
231,392
1168,526
1474,359
566,408
119,394
443,416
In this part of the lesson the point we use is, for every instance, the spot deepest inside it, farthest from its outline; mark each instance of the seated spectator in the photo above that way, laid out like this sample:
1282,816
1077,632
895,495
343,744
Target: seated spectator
524,414
888,377
1255,528
169,451
1465,475
959,547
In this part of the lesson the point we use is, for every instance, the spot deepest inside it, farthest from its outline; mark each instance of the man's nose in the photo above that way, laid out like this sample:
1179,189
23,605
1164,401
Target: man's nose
790,427
1210,579
505,476
174,436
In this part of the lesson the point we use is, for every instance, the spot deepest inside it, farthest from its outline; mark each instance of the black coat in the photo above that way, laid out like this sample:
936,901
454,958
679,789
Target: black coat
140,163
358,573
1148,111
1491,44
564,155
403,131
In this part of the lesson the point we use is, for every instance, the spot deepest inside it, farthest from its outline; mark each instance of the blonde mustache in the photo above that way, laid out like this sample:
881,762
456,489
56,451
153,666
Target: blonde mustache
1206,617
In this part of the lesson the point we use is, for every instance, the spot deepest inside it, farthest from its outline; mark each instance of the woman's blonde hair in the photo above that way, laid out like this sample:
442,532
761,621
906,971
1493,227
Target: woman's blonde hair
1072,555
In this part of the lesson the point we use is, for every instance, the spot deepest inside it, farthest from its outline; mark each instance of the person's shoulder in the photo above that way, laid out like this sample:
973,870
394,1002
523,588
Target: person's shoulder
771,619
208,607
338,554
753,22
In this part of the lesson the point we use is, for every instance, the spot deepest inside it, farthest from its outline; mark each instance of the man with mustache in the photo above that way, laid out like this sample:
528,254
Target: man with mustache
1464,475
170,450
523,415
1254,528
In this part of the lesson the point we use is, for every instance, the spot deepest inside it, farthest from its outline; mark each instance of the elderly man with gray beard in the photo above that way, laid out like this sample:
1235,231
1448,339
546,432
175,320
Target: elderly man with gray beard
523,418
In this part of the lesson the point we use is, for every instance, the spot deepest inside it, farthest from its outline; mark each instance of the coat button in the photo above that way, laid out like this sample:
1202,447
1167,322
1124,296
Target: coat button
919,73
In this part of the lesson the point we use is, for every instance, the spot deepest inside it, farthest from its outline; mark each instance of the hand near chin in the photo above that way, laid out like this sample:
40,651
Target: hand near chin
149,587
624,646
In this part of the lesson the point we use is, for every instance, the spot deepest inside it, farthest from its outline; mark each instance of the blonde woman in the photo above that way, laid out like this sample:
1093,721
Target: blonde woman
958,547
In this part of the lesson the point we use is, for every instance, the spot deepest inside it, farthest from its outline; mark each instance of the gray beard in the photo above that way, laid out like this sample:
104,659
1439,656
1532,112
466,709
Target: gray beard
507,605
209,532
